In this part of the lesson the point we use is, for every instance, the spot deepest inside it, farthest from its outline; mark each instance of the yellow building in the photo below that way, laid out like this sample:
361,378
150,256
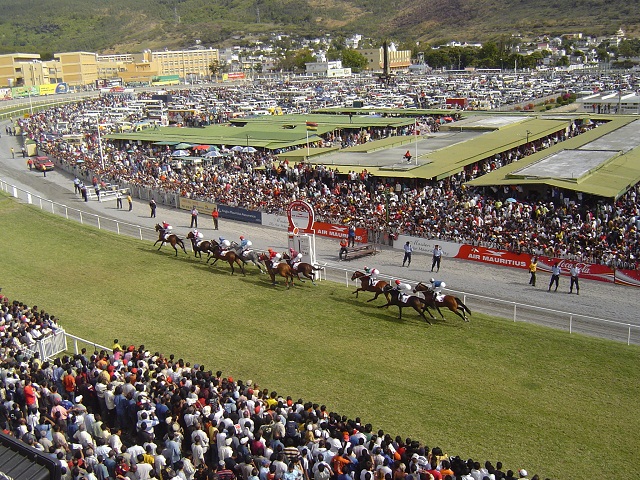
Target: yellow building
27,70
184,63
398,59
78,68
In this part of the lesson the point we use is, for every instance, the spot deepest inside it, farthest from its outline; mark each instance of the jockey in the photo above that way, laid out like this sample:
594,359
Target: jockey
373,275
166,229
437,286
272,257
293,256
296,261
243,241
224,246
197,236
276,260
246,248
403,290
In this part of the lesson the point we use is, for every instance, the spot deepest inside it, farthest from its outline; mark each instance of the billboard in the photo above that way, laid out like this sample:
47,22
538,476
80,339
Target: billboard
240,214
339,231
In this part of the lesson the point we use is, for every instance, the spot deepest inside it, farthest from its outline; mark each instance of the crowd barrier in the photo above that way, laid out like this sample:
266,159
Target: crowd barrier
571,322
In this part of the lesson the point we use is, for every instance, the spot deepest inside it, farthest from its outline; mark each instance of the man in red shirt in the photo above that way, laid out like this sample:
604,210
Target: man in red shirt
30,396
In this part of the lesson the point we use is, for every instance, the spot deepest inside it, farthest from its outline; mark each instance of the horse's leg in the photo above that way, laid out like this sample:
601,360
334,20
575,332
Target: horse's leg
241,267
160,245
376,296
400,310
457,312
356,292
440,312
421,313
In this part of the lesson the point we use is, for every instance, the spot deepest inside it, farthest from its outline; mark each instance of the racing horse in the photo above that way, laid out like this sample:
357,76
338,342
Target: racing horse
451,302
305,269
417,303
366,285
229,256
198,248
283,269
171,239
249,256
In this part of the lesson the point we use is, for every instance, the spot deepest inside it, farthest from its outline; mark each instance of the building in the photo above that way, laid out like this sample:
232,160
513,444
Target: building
327,69
187,64
27,70
399,60
78,68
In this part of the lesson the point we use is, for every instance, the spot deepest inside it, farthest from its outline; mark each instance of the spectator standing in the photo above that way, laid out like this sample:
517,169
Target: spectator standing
153,206
437,256
29,163
13,153
408,250
194,218
574,272
533,266
343,248
130,202
214,215
352,236
118,200
555,276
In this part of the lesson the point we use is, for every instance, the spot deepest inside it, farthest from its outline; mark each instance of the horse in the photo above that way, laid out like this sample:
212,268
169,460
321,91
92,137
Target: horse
248,256
203,246
305,269
451,302
417,303
171,239
282,269
230,257
366,286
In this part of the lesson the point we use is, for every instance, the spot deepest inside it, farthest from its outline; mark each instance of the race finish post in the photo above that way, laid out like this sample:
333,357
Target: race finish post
302,236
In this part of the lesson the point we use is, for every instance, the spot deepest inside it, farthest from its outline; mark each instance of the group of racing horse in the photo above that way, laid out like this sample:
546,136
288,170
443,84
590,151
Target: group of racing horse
236,255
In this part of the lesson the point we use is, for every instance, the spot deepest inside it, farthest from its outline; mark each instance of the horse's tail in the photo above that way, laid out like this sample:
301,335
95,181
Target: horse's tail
462,305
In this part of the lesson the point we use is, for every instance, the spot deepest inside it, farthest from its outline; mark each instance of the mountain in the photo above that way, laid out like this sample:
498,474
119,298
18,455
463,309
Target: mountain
115,26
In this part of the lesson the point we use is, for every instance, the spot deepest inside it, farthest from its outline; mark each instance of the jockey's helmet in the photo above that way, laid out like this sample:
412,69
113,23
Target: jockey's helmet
291,250
398,282
432,280
241,237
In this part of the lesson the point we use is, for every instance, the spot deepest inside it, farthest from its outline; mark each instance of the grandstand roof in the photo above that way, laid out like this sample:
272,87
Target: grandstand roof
604,162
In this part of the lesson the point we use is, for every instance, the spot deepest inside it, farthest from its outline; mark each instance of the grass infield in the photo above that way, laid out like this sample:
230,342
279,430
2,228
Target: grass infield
531,397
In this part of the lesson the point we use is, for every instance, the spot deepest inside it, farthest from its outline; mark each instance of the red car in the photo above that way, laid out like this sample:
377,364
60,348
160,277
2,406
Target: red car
43,163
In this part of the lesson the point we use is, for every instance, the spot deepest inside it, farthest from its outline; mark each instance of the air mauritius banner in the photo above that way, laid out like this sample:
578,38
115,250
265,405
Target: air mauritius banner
494,256
339,231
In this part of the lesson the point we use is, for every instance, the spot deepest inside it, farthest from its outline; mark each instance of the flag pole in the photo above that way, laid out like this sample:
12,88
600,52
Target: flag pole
415,134
307,144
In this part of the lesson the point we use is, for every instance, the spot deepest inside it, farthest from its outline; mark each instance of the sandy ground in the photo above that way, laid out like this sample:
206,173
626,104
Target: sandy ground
609,302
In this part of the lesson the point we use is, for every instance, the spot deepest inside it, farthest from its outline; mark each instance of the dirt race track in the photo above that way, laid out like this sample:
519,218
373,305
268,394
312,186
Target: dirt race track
614,305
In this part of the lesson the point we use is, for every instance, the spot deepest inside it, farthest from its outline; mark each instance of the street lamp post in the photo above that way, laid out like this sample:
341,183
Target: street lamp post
100,143
528,133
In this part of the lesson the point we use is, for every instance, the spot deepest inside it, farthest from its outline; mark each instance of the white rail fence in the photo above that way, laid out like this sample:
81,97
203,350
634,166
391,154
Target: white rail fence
519,312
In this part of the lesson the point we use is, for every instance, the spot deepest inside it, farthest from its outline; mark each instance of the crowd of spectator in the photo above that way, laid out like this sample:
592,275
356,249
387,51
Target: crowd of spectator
557,223
132,414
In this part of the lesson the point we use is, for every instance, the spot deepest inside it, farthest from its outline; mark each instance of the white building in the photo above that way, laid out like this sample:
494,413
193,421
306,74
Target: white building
327,69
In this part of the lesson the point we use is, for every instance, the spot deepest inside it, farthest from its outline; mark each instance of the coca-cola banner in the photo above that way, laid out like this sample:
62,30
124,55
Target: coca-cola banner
339,231
588,271
630,278
493,256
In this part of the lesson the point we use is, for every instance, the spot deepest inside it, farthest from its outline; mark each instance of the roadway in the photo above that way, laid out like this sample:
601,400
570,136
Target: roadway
597,299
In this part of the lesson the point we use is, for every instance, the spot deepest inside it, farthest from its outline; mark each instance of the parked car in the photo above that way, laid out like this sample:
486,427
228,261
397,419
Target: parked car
43,163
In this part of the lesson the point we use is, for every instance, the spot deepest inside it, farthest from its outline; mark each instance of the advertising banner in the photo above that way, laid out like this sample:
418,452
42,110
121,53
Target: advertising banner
423,245
301,217
630,278
495,257
21,92
204,208
6,94
233,76
47,89
339,231
588,271
240,214
62,88
275,221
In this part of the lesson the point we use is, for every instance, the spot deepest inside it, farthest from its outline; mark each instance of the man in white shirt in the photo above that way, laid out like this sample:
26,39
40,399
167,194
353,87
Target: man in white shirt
575,272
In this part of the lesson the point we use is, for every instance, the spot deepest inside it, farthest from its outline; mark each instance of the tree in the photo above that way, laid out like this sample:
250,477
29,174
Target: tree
216,67
301,58
353,59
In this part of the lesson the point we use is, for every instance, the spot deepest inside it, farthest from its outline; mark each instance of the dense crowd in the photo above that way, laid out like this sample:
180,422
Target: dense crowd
557,223
132,414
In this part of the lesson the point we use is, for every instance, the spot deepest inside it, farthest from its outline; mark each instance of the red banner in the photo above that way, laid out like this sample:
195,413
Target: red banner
339,231
630,278
588,271
495,257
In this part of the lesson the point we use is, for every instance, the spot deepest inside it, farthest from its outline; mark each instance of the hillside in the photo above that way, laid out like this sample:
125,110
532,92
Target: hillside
132,25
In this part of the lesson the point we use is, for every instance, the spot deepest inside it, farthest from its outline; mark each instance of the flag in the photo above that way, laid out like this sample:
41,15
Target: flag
312,126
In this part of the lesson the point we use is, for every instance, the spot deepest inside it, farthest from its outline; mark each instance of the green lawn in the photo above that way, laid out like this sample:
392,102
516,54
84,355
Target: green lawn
490,389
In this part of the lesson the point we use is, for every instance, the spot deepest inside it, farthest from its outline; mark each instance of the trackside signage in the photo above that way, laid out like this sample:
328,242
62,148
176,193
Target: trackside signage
588,271
339,231
494,256
301,217
424,245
